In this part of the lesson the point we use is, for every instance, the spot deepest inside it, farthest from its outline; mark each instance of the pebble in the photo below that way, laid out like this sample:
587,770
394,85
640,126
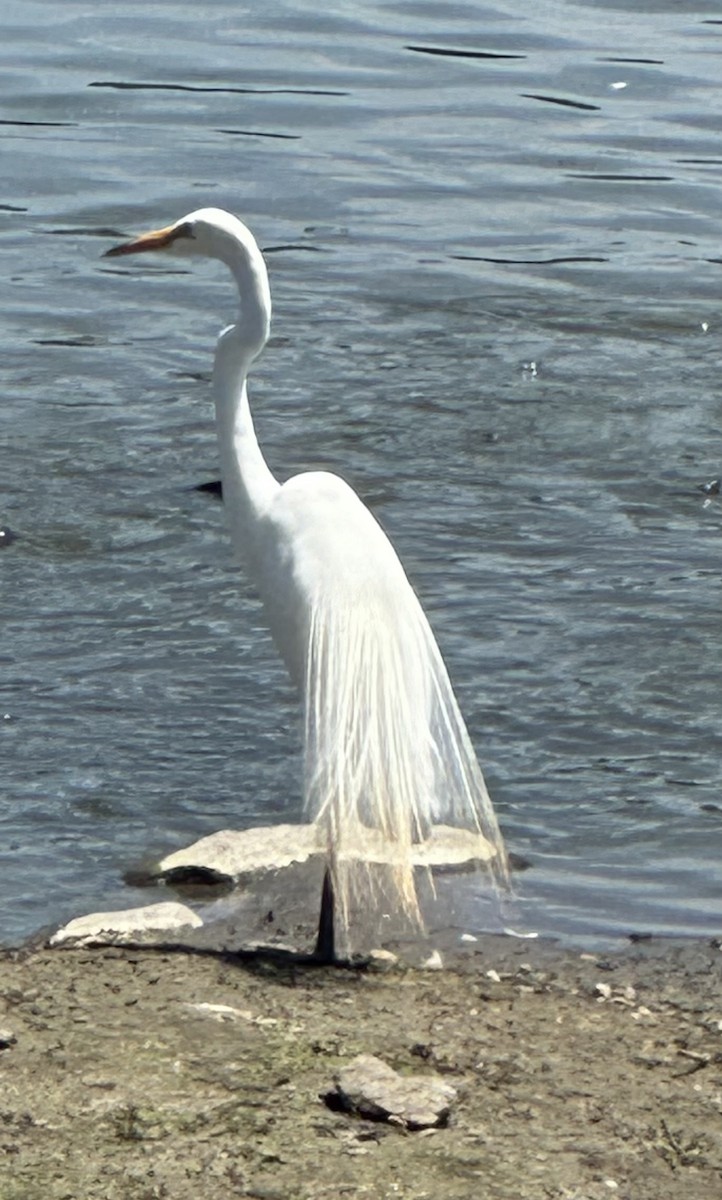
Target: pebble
640,1012
382,960
220,1012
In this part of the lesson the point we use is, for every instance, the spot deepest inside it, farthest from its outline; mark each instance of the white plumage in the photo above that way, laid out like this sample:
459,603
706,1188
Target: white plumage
387,754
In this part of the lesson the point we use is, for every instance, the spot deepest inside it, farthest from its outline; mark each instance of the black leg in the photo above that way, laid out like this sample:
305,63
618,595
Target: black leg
325,939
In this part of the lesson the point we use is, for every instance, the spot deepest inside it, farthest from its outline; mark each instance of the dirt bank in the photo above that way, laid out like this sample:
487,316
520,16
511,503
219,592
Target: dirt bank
579,1077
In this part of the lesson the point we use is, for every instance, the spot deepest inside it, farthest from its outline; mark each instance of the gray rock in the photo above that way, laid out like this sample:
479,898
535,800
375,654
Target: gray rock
7,1038
371,1088
130,926
236,856
272,878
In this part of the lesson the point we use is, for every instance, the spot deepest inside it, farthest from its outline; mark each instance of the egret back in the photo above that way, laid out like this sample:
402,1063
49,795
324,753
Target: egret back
387,753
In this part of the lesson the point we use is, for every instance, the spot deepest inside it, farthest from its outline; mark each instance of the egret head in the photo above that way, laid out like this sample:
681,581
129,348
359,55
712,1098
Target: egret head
205,233
213,233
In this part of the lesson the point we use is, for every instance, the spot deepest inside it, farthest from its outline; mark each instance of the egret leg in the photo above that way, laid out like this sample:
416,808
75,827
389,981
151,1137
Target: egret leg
325,938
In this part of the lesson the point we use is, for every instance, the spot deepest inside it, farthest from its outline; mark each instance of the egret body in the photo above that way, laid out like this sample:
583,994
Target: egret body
387,754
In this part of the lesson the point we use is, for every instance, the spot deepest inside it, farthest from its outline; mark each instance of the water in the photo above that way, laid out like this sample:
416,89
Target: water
497,288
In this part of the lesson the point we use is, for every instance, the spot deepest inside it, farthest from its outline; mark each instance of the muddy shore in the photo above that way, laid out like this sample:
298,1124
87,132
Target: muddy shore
144,1074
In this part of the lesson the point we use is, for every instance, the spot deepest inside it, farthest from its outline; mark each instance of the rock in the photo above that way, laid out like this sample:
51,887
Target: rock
130,926
7,1039
382,961
712,488
220,1012
448,847
271,879
233,856
371,1088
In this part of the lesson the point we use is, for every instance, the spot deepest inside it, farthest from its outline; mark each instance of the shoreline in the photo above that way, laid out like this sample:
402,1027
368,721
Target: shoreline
142,1073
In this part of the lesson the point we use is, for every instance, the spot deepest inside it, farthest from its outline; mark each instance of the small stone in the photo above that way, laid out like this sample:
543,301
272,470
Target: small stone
374,1090
433,963
642,1011
493,975
382,960
93,1081
7,1039
603,991
220,1012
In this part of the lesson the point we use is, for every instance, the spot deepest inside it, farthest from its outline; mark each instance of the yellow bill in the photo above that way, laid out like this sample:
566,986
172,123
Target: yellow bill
157,239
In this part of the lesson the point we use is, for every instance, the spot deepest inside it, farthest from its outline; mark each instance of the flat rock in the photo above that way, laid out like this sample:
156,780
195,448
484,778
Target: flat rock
371,1088
270,879
233,855
236,856
128,926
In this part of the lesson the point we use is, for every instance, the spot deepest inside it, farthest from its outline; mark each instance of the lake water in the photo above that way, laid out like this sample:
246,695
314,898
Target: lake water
495,244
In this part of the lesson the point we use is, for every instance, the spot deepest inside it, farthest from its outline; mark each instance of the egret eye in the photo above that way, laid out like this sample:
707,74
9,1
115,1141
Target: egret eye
184,230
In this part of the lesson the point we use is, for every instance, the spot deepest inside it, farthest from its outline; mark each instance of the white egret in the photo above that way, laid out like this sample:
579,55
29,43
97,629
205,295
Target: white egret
387,753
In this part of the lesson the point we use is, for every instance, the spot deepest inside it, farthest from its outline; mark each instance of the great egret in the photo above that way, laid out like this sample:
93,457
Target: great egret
387,754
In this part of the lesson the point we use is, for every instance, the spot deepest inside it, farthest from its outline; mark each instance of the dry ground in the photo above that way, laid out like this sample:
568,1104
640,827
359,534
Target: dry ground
579,1077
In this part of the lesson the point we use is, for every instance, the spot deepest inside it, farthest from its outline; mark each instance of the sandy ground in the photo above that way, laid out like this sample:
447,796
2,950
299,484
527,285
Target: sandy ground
579,1077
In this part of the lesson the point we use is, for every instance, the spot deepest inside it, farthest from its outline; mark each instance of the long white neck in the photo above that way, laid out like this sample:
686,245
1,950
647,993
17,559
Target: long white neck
248,484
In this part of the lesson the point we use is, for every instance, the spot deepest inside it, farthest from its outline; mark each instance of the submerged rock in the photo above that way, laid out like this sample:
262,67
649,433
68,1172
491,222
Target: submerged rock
372,1089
